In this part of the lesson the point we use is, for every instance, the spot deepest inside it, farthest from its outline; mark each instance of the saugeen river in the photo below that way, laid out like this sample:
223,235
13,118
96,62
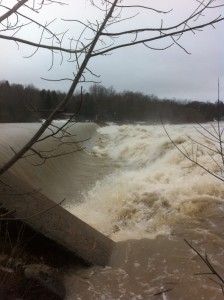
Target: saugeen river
130,183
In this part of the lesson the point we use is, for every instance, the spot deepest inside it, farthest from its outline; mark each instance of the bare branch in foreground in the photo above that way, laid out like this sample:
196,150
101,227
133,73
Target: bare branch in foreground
97,38
215,144
191,156
207,262
12,10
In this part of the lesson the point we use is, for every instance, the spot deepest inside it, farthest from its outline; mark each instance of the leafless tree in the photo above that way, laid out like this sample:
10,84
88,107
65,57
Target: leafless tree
96,38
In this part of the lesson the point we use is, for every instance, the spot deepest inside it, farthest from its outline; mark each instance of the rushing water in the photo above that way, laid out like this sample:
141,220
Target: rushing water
134,186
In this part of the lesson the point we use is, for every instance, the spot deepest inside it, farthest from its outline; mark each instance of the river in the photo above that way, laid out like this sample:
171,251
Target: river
130,183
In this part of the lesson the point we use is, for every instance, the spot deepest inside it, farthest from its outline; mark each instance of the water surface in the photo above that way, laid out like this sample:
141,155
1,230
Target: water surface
134,186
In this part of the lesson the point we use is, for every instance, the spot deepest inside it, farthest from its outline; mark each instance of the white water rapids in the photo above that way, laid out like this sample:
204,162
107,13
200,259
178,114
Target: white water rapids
152,187
134,186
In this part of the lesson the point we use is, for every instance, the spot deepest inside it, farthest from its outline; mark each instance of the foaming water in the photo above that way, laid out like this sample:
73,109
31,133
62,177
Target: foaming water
153,189
150,202
134,186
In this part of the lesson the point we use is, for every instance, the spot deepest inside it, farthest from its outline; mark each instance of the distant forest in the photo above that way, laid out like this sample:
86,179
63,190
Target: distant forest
20,103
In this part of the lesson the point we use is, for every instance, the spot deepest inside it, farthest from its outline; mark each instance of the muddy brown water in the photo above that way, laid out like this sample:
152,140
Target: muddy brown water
132,185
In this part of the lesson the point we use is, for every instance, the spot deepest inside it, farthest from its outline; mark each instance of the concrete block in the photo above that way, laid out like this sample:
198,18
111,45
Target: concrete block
57,223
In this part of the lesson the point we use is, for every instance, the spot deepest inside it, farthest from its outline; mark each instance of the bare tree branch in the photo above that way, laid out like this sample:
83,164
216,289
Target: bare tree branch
144,7
216,147
207,262
39,45
143,41
12,10
46,124
191,157
95,39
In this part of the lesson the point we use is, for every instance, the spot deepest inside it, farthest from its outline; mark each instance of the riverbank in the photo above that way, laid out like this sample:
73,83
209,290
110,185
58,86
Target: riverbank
32,266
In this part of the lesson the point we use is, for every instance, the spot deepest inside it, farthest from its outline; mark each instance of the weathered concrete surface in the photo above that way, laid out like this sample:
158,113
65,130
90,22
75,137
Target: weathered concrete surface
57,224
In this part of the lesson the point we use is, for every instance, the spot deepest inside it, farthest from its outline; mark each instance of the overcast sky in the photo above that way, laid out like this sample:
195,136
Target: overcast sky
170,73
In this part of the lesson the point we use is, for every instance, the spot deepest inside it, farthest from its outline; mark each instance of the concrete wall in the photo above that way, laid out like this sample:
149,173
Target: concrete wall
57,223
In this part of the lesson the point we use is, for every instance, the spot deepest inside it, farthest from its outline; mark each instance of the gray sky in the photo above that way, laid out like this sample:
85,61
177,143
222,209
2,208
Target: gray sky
170,73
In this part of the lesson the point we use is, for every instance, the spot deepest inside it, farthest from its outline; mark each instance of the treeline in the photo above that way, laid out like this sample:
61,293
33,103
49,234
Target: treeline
20,103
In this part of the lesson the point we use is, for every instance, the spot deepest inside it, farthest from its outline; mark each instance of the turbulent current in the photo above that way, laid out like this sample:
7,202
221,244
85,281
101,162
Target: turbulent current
133,185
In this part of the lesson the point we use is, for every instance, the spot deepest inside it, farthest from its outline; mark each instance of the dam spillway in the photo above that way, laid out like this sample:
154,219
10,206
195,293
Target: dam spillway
54,222
134,187
30,188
